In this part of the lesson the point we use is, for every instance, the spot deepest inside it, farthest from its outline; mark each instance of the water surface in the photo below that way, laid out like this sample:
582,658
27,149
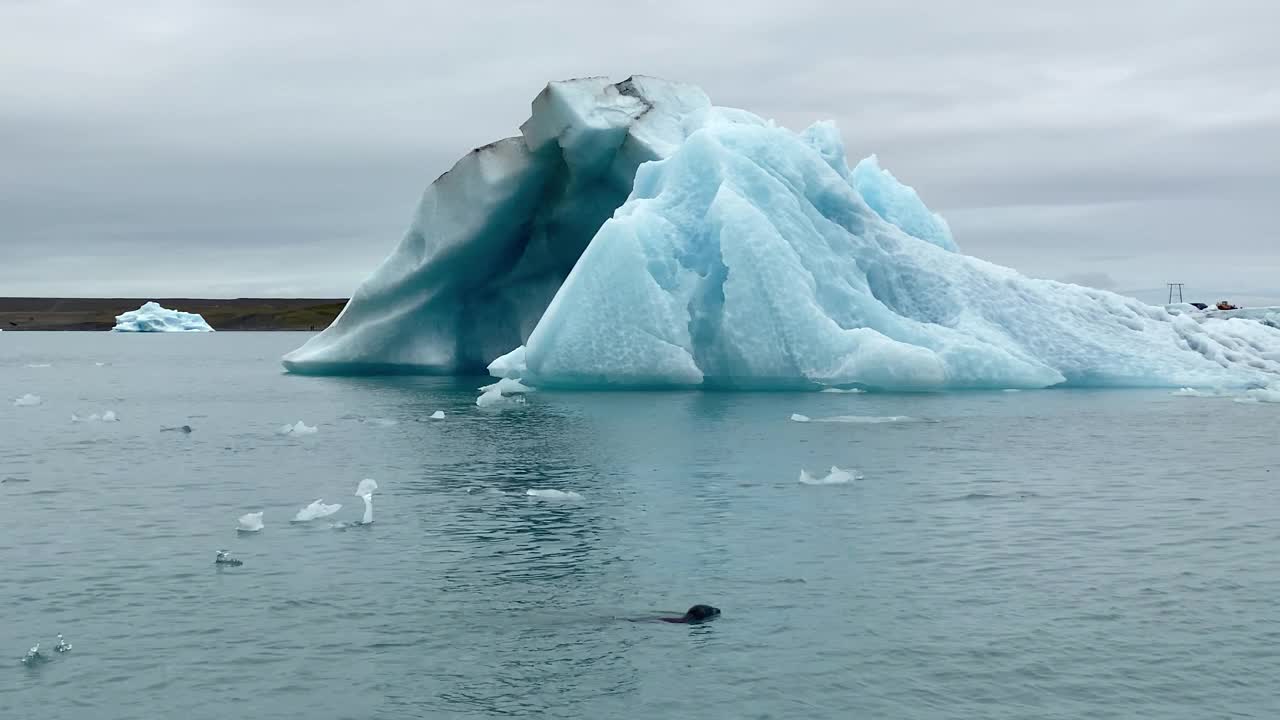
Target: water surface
1011,555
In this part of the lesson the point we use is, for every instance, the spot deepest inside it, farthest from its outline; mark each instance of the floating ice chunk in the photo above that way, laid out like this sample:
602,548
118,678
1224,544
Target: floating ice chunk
842,390
224,558
508,386
437,415
797,417
109,416
62,646
548,494
151,317
493,397
835,477
365,492
316,510
33,656
1011,390
250,522
298,428
28,400
869,419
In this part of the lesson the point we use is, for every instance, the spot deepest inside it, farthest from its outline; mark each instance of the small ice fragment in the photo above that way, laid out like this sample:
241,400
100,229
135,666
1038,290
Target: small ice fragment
835,477
250,522
841,390
299,428
365,492
437,415
224,558
553,494
98,364
797,417
1011,390
109,416
316,510
62,646
39,365
28,400
33,656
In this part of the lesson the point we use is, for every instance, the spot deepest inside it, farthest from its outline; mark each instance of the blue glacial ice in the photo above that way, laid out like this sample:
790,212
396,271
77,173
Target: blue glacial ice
635,236
151,317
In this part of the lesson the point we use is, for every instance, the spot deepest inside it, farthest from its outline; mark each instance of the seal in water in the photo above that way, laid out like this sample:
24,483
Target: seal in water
695,614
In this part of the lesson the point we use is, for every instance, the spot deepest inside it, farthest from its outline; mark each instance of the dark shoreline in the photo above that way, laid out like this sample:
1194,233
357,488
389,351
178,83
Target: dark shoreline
98,314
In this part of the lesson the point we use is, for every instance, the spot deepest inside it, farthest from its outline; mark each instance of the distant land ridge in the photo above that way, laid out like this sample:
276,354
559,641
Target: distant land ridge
32,313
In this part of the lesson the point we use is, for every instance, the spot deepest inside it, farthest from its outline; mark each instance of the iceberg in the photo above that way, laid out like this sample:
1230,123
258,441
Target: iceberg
637,236
151,317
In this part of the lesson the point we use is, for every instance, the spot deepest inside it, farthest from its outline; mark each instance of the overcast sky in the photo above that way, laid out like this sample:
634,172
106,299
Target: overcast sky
253,147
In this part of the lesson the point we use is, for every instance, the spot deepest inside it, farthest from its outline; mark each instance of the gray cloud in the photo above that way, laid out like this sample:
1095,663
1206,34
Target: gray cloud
202,147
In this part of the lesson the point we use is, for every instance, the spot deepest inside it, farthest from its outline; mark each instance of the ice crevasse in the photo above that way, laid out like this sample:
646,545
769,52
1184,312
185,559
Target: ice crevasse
634,235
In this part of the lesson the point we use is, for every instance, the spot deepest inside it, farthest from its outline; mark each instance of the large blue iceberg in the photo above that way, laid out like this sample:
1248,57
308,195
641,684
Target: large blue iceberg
635,236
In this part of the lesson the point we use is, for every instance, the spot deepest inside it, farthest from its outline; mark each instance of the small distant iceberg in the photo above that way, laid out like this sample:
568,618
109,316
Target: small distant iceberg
364,491
250,522
797,417
835,477
505,391
1194,393
299,428
315,511
152,317
437,415
28,400
108,416
554,494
